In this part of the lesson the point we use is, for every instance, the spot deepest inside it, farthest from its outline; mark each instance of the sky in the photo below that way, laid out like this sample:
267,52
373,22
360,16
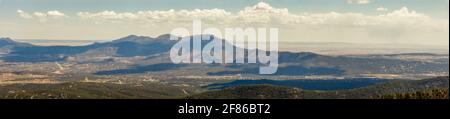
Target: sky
361,21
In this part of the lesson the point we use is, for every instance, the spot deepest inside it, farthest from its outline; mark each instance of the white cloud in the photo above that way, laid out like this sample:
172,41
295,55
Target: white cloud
262,13
382,9
42,16
403,23
405,12
55,14
358,1
157,16
24,15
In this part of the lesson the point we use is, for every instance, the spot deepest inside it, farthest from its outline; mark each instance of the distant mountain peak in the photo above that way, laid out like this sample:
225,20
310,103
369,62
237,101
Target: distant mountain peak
166,36
133,37
205,37
10,42
6,39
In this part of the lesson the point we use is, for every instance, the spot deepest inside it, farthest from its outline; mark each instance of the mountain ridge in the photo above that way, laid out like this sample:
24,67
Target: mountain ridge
290,63
370,92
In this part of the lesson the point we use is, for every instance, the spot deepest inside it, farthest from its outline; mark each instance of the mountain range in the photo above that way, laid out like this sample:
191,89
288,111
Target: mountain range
291,63
140,67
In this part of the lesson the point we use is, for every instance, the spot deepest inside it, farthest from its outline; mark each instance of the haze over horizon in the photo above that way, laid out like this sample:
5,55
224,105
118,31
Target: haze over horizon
416,22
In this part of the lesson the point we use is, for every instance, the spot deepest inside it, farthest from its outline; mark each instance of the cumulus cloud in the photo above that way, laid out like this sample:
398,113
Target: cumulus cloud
261,13
55,14
358,1
382,9
156,16
24,15
405,12
42,16
389,24
264,13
